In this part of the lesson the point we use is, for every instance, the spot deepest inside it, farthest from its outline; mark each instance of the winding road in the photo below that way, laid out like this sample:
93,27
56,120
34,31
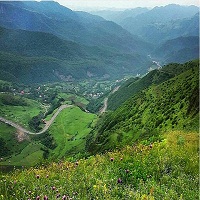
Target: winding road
105,105
47,125
105,102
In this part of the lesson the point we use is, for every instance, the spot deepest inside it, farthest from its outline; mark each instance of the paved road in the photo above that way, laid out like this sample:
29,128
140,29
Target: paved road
105,103
47,125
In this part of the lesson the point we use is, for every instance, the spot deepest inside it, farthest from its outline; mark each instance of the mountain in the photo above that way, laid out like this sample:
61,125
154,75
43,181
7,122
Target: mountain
170,105
164,23
80,27
31,57
134,85
119,16
179,50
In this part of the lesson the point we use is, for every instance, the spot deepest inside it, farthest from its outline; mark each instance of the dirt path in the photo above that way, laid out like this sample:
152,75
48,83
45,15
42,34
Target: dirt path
47,125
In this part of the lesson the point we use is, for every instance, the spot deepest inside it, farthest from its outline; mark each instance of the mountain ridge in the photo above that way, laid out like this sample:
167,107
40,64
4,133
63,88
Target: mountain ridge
170,105
52,57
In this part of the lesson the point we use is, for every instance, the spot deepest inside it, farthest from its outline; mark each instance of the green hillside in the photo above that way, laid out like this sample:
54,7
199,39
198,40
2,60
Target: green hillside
179,50
171,105
36,57
69,131
135,85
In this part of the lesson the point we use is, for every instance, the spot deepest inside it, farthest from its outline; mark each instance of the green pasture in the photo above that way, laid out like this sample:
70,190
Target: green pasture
21,114
10,143
76,98
69,130
29,156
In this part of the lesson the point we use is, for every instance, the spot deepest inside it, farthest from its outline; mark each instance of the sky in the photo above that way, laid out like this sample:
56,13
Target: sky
121,4
89,5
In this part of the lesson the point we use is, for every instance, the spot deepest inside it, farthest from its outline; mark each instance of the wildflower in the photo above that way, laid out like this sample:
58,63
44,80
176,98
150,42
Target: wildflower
29,192
45,197
53,188
121,158
38,197
76,163
64,197
127,171
58,196
119,180
47,176
37,176
151,146
111,159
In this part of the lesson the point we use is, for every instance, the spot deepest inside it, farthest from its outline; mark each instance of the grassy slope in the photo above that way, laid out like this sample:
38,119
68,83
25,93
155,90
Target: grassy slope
29,156
168,170
20,114
171,105
135,85
70,130
11,145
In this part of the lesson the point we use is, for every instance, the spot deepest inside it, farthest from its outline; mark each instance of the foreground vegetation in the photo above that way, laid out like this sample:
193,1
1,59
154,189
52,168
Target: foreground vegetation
161,170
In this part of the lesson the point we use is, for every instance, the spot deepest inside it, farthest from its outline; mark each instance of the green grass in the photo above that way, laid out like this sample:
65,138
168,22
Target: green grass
21,114
76,98
171,105
9,136
70,130
134,85
29,156
166,170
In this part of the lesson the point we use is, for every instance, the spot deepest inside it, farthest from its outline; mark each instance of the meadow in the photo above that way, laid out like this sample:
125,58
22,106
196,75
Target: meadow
21,113
70,130
162,170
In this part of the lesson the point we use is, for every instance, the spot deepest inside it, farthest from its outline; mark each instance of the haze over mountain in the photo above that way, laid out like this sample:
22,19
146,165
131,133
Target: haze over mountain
179,50
32,57
157,24
160,24
106,40
87,43
75,26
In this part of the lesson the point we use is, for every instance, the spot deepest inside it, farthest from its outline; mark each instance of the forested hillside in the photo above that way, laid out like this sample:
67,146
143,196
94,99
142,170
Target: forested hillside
36,57
170,105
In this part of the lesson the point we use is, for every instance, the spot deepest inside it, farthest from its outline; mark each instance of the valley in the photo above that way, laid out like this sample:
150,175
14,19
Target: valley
100,104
